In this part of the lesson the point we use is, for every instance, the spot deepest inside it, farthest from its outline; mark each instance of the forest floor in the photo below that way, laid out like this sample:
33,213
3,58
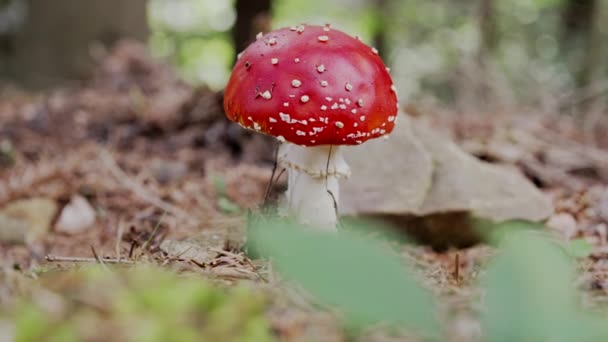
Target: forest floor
156,162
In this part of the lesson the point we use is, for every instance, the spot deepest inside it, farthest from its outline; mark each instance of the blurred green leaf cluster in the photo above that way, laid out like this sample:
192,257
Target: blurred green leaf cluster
433,47
139,304
529,293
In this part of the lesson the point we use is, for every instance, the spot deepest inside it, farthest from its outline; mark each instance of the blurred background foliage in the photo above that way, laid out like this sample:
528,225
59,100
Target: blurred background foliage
511,51
468,51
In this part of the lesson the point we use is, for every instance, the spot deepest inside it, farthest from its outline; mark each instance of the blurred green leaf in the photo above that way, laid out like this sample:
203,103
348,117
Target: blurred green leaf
530,294
578,248
495,232
227,206
359,276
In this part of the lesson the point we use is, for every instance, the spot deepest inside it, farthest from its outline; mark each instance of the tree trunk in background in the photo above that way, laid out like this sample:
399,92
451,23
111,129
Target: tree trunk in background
252,16
487,27
577,35
54,43
382,8
592,63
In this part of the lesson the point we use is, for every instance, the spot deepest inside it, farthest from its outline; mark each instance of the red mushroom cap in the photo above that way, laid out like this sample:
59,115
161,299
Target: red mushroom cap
312,85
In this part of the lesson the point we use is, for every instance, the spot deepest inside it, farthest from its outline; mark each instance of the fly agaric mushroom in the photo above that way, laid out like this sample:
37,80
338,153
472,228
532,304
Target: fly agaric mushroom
314,88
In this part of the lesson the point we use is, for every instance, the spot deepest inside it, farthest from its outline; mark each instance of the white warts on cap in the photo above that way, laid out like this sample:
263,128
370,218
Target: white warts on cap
324,83
274,61
281,138
323,107
285,104
362,118
267,95
321,68
296,60
339,124
259,35
323,38
391,118
348,87
305,98
374,50
272,41
360,102
273,120
300,28
296,83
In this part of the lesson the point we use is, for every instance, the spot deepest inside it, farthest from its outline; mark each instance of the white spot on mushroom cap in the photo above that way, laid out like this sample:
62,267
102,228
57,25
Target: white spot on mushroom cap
362,118
274,61
391,118
267,95
305,98
348,87
293,28
323,107
354,111
296,83
374,50
339,124
323,38
329,99
335,105
281,138
256,126
321,68
259,35
296,60
324,83
272,41
300,133
360,102
273,120
300,28
285,104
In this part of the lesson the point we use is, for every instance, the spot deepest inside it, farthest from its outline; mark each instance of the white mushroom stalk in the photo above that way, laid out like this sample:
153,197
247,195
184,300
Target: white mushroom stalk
313,183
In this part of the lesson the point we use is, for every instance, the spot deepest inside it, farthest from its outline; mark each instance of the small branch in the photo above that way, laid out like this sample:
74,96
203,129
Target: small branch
52,258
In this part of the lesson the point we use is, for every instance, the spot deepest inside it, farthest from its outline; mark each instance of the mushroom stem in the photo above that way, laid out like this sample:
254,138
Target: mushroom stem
313,189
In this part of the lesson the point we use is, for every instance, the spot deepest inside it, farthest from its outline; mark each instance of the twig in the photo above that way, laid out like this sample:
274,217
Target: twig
145,245
119,233
52,258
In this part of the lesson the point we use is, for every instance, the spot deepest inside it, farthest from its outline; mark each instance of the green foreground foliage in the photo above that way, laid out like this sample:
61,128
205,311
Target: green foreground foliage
142,303
529,294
